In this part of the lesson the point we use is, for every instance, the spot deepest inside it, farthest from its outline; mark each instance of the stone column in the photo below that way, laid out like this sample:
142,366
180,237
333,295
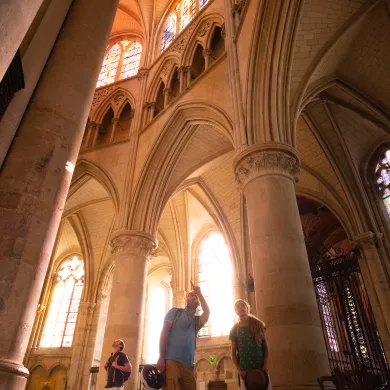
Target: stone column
130,253
283,285
80,344
188,72
167,94
113,128
182,78
206,54
368,243
36,175
179,298
16,17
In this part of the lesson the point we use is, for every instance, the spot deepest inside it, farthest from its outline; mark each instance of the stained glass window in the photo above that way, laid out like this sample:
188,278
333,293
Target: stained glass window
169,32
202,3
131,59
327,315
188,9
215,281
61,320
383,178
110,66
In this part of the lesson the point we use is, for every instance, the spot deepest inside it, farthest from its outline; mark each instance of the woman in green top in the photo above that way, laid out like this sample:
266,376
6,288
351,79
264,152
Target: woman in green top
249,347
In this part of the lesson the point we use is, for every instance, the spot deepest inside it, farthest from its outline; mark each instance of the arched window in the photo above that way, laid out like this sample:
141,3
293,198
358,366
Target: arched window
383,178
110,66
169,33
202,3
158,305
124,56
215,281
64,305
131,59
187,13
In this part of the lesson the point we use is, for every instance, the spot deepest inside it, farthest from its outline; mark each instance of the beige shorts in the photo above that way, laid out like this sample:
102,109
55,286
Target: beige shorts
179,376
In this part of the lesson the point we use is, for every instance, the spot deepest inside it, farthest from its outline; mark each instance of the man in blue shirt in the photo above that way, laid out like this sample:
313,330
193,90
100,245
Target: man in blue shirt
178,340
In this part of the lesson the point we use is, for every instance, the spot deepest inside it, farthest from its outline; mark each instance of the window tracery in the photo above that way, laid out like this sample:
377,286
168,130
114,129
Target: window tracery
64,305
169,33
215,281
120,62
382,173
183,13
131,59
187,12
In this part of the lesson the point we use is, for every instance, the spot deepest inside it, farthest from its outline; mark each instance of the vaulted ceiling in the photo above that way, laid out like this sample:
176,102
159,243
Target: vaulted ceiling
139,16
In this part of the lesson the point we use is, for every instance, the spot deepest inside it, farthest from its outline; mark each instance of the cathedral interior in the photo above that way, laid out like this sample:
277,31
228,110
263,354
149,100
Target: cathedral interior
242,145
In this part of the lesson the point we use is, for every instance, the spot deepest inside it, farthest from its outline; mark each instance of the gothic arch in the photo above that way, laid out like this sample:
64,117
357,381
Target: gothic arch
148,201
200,34
85,168
116,100
345,33
163,73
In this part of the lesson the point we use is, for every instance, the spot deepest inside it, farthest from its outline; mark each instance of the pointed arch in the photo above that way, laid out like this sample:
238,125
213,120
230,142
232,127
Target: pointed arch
150,193
85,168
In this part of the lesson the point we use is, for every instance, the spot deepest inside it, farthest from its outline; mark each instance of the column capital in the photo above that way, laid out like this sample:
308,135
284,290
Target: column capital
167,91
266,159
142,73
86,307
367,240
132,242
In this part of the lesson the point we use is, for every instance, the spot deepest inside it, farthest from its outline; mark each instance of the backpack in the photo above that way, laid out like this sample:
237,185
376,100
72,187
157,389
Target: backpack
126,375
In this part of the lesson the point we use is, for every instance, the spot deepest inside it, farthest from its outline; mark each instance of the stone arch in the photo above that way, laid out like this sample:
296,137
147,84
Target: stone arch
200,34
163,73
344,35
221,222
116,100
85,168
150,194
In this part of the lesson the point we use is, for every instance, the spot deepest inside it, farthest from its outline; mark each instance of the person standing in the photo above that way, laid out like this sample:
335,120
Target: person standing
118,367
249,345
178,342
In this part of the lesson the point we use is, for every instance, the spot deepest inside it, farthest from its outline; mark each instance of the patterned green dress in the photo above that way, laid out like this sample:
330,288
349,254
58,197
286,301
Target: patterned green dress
251,354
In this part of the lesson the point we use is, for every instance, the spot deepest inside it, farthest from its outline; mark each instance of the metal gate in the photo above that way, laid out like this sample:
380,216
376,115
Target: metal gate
348,323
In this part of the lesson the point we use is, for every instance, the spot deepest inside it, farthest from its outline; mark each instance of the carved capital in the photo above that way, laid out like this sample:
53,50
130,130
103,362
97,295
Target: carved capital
87,307
181,70
367,240
149,104
133,243
206,52
167,91
266,159
142,73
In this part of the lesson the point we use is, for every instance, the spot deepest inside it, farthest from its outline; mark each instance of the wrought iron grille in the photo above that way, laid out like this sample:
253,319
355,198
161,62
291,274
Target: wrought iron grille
348,323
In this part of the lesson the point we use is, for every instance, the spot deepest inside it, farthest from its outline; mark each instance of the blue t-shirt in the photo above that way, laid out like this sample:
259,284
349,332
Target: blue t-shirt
182,337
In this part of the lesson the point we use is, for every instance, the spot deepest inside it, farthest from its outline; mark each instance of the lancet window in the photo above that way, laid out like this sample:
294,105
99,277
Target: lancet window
64,304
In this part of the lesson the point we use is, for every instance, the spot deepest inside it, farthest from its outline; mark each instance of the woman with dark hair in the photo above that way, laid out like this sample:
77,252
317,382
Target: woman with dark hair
249,346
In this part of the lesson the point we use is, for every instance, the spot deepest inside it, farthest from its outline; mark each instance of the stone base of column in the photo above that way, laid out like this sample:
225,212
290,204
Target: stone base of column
12,376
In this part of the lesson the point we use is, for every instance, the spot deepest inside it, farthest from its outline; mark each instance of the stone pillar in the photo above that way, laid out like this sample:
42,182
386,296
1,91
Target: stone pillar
179,298
283,285
182,78
167,94
206,54
16,17
80,344
188,72
368,243
130,252
113,128
36,175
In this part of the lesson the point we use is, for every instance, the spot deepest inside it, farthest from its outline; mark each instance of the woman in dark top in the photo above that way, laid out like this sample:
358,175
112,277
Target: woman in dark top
249,346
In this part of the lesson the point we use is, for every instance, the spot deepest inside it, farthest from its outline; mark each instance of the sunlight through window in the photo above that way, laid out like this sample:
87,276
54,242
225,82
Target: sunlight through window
215,281
157,309
61,320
